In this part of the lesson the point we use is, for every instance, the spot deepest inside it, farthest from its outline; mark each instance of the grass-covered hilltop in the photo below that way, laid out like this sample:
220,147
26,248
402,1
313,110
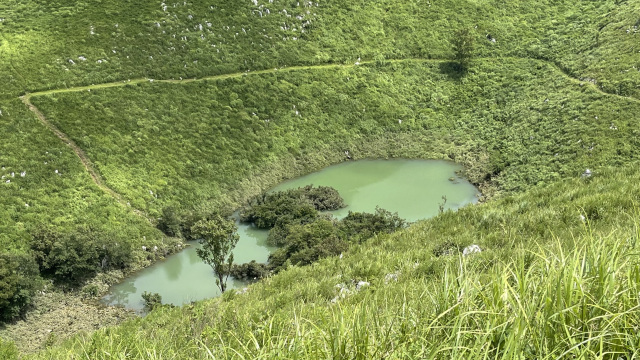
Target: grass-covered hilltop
122,121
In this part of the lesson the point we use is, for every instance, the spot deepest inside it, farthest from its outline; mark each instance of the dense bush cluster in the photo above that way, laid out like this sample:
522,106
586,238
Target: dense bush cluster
250,271
306,243
302,233
71,258
18,283
266,210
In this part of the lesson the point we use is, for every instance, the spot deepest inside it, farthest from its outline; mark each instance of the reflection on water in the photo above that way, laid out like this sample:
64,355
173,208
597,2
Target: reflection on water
412,188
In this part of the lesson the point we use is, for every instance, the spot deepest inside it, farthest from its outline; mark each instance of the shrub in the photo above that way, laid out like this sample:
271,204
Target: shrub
169,222
18,282
359,226
151,300
70,258
250,271
323,198
265,210
307,243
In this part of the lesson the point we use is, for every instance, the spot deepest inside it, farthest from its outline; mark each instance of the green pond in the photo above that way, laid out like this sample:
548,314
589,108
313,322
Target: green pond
412,188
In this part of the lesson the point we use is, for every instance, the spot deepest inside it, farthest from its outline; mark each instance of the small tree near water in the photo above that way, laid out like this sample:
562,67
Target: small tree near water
151,300
218,238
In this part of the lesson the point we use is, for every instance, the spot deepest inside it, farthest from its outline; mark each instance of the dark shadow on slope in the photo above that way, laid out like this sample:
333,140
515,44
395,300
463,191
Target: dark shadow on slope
453,70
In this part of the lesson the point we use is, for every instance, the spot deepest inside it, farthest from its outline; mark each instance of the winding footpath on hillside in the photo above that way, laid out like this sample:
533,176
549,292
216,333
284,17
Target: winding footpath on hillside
97,178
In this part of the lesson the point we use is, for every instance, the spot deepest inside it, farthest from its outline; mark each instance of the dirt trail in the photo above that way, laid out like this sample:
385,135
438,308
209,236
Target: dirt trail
97,179
313,67
26,99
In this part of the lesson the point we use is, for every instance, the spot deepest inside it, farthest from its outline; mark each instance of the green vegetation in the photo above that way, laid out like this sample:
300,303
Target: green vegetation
151,300
268,210
547,284
250,271
218,238
463,48
101,41
72,259
46,195
8,350
284,88
514,124
302,233
304,243
18,274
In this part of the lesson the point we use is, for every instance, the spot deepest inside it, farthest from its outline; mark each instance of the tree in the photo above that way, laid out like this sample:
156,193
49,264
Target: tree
462,48
218,238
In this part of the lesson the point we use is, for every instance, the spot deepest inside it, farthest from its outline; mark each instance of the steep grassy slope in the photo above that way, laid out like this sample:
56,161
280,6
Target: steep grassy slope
53,44
43,185
518,124
557,277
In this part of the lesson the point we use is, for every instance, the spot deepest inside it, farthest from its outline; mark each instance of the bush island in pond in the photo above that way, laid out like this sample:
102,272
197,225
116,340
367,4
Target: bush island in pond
302,233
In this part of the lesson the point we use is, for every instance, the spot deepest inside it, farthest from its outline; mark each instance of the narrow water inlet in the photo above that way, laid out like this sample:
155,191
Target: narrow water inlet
412,188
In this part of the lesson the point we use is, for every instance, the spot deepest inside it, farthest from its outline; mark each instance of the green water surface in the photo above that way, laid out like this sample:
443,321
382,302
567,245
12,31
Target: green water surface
412,188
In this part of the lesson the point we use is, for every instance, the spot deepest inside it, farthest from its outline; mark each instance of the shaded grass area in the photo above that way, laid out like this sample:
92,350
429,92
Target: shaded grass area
557,277
188,145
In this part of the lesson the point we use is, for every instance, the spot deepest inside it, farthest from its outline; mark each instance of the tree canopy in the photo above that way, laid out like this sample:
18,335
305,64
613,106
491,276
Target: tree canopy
218,238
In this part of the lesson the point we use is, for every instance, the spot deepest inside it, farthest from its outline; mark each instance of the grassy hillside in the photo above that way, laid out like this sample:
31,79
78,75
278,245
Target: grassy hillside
55,44
518,124
284,88
43,185
557,277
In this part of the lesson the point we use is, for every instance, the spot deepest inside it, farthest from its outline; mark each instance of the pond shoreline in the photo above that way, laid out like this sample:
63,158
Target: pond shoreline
415,189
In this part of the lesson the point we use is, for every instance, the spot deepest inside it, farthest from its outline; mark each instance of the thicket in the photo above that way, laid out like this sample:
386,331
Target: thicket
268,209
18,284
71,258
304,234
307,242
